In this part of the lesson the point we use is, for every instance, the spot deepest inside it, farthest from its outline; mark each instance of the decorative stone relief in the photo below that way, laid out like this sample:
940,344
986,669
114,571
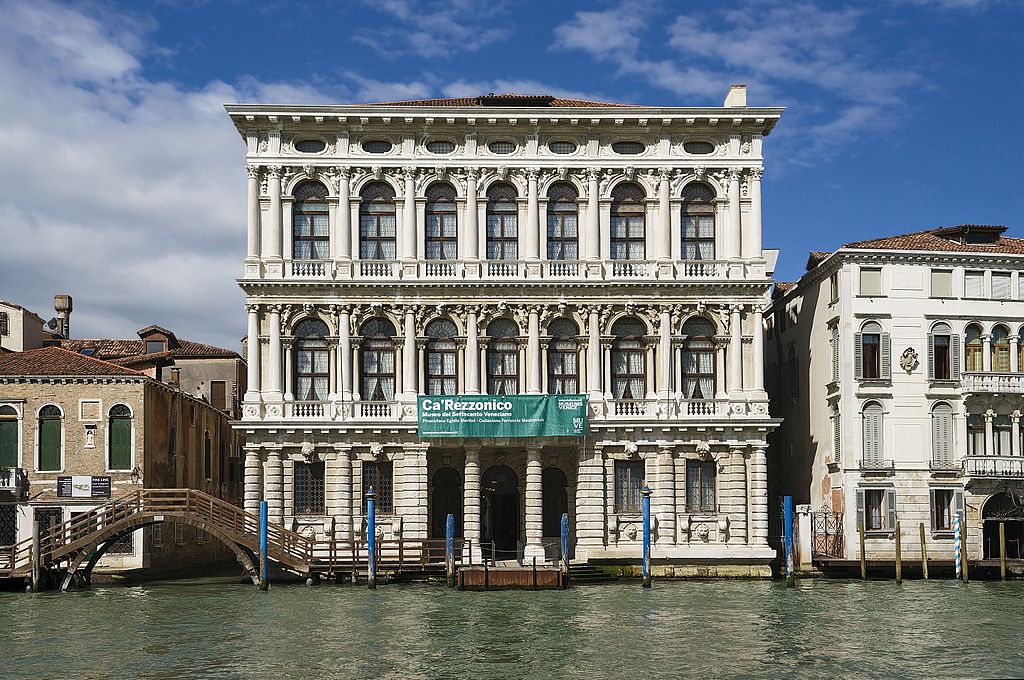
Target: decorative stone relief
909,360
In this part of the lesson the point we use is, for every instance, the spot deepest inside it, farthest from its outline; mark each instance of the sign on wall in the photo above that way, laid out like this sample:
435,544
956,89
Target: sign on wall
83,486
516,415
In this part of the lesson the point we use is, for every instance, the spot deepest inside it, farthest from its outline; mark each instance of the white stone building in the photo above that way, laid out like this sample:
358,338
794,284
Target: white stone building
510,244
896,365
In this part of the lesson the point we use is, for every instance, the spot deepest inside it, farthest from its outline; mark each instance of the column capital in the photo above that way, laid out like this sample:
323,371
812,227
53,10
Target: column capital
409,174
664,174
252,308
472,173
756,173
252,170
734,174
275,171
344,172
593,174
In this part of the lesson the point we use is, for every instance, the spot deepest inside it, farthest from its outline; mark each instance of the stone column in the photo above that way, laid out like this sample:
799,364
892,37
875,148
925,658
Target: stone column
664,241
594,355
414,492
590,501
274,393
665,354
1014,353
332,370
471,239
986,359
1015,433
273,487
252,355
666,490
758,531
752,242
531,241
345,353
343,227
471,501
472,353
274,231
253,214
289,369
409,235
533,352
593,215
339,492
409,355
253,478
534,505
990,440
738,516
757,349
735,351
735,237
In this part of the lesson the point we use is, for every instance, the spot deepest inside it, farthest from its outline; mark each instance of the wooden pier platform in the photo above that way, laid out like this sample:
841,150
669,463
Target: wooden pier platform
510,578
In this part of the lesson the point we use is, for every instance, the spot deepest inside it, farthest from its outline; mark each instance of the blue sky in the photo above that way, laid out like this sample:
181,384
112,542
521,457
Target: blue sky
124,179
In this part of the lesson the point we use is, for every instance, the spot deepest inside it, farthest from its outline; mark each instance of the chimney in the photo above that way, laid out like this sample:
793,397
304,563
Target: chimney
175,378
62,305
737,96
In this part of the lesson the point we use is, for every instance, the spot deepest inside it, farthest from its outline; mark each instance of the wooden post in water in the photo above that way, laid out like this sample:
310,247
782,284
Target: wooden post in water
863,562
924,554
966,547
1002,551
899,556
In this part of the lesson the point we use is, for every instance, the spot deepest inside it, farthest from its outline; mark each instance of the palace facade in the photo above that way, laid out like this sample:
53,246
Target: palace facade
511,244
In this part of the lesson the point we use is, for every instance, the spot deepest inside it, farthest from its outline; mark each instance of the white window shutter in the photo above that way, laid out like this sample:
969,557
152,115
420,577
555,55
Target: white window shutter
931,357
890,506
954,360
837,446
860,509
886,358
835,355
858,356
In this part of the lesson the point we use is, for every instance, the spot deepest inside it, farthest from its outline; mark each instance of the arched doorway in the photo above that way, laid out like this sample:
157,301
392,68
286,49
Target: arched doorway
556,501
446,499
499,513
1008,508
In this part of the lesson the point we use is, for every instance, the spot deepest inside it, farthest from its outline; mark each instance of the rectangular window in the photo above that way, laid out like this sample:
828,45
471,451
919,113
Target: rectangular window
123,546
49,444
629,480
942,283
379,475
943,509
219,394
207,458
974,285
158,536
833,286
1000,285
8,524
874,514
700,486
155,346
1001,433
9,442
975,435
309,488
871,364
870,281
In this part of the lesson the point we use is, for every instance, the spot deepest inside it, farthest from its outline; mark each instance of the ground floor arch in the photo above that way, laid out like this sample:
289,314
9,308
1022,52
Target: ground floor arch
1006,508
499,512
555,500
445,499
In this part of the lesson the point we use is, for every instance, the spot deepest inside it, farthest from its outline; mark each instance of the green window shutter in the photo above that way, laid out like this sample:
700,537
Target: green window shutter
120,443
49,445
8,443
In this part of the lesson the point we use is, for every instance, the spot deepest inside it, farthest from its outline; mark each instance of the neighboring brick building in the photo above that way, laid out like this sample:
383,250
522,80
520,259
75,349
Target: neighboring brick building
76,431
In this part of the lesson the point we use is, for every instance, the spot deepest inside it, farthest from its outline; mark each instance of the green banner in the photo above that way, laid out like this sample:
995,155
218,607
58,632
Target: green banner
490,415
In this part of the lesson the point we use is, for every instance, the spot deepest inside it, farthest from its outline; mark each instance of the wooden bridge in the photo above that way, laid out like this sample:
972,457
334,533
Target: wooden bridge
68,552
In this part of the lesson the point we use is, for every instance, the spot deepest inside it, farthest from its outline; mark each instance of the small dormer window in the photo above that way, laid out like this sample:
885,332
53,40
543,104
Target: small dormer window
155,346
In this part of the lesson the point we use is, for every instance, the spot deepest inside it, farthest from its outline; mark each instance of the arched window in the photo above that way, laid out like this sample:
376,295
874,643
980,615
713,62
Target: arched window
873,451
698,359
119,438
442,229
942,433
629,361
943,353
8,437
442,375
311,238
49,439
563,222
378,360
503,357
377,222
698,225
871,353
1001,434
628,223
975,434
502,222
1000,349
563,357
974,348
311,361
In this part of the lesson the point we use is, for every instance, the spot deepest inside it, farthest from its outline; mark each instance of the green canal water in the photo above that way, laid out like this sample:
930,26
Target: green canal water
220,629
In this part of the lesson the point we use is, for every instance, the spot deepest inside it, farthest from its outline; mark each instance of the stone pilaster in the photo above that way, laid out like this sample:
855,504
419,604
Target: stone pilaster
534,504
471,500
666,495
590,499
253,479
339,491
737,466
758,501
273,485
414,492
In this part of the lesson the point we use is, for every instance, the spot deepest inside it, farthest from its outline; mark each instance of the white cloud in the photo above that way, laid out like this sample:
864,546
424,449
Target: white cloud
125,192
436,29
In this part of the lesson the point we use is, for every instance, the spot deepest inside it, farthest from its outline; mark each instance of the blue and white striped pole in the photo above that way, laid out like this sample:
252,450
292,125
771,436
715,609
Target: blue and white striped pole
449,548
956,543
645,504
787,533
264,567
371,538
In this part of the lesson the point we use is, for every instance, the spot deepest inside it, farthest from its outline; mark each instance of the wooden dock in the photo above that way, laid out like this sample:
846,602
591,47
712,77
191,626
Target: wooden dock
510,578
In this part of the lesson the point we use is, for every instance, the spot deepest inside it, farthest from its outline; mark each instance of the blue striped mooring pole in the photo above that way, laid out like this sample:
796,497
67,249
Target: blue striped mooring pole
645,503
264,568
565,548
787,519
449,548
956,543
371,538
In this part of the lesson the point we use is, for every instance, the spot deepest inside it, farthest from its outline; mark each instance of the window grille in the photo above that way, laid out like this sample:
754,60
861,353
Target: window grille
441,147
379,476
700,485
629,482
562,148
377,146
502,148
309,488
8,524
628,148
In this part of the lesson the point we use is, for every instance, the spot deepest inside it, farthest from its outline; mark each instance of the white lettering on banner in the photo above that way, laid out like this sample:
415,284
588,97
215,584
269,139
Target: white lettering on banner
453,405
570,404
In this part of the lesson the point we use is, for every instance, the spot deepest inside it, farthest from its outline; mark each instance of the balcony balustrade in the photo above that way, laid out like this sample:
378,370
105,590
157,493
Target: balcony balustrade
312,269
13,481
378,269
994,467
993,383
305,409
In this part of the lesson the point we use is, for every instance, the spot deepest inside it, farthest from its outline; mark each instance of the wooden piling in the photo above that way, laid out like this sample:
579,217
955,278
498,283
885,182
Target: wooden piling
964,548
1002,551
924,554
863,561
899,556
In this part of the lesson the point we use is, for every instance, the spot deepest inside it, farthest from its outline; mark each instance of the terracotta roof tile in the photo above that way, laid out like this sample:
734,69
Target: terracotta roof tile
113,348
942,239
815,258
57,361
510,99
781,288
